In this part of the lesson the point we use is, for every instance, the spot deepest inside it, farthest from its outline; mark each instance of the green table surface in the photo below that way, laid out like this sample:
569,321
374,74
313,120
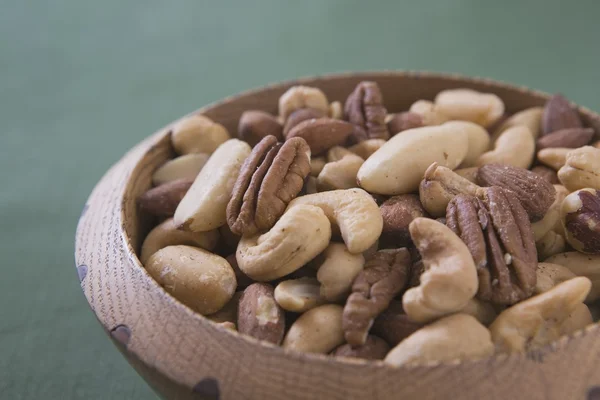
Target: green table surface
83,81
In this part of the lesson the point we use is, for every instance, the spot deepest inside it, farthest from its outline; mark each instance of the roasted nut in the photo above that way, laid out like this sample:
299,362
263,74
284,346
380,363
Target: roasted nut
404,121
298,295
550,244
498,234
478,141
450,278
336,110
255,125
322,134
163,200
298,97
229,312
469,105
204,206
183,167
430,115
581,265
398,166
201,280
300,234
580,215
336,153
316,165
398,212
270,178
197,134
558,114
581,169
259,315
243,281
373,349
340,174
167,234
578,319
366,148
364,108
393,325
530,117
550,275
457,336
552,216
439,186
384,277
515,146
554,157
596,144
300,115
570,138
536,195
484,312
469,174
338,271
353,211
537,321
316,331
548,174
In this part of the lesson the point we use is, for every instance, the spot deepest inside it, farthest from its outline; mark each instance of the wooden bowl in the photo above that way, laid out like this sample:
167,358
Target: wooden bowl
183,355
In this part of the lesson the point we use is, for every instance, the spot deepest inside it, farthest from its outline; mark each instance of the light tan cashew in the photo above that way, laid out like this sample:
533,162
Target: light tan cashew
469,105
550,275
367,147
338,271
299,235
530,117
581,169
340,174
302,97
352,210
336,110
428,112
515,147
298,295
316,165
199,279
204,206
550,244
182,167
439,186
581,265
166,234
318,330
450,278
552,216
469,174
198,134
553,157
336,153
537,321
398,166
578,319
484,312
479,141
456,337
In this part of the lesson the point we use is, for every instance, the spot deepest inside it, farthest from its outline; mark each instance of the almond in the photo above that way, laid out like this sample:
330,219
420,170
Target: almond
254,125
558,114
322,134
300,115
259,315
163,200
546,173
570,138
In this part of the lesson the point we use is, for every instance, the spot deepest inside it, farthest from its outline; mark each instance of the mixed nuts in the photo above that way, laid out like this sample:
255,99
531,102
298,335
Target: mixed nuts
451,230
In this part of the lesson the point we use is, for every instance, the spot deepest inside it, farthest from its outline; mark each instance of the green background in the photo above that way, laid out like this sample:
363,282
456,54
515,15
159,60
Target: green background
83,81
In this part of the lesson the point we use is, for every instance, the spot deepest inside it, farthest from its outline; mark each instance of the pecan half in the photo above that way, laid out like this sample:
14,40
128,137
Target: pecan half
270,178
499,236
364,107
384,276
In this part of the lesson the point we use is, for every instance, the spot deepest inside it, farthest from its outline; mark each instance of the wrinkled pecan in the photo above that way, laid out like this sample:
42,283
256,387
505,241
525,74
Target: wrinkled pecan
270,178
384,277
393,325
498,234
364,107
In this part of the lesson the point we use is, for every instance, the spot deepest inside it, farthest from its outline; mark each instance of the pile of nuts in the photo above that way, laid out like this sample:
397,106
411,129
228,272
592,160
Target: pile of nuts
448,231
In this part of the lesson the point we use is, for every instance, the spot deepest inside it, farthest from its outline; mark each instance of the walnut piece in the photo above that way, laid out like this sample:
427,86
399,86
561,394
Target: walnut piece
364,107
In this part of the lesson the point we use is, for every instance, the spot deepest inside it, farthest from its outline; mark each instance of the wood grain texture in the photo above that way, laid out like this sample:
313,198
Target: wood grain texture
183,355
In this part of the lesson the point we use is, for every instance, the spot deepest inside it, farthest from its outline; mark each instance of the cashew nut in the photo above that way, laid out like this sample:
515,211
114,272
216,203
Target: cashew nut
428,112
578,319
531,118
550,275
302,97
353,211
182,167
318,330
336,110
581,169
469,105
398,166
581,265
478,141
553,157
204,206
340,174
338,271
198,134
299,235
298,295
367,147
552,216
457,336
450,278
537,321
515,147
550,244
167,234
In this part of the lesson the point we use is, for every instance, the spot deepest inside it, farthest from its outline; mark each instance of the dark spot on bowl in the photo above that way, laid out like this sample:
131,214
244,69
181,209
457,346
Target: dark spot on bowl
82,271
209,388
121,333
593,393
